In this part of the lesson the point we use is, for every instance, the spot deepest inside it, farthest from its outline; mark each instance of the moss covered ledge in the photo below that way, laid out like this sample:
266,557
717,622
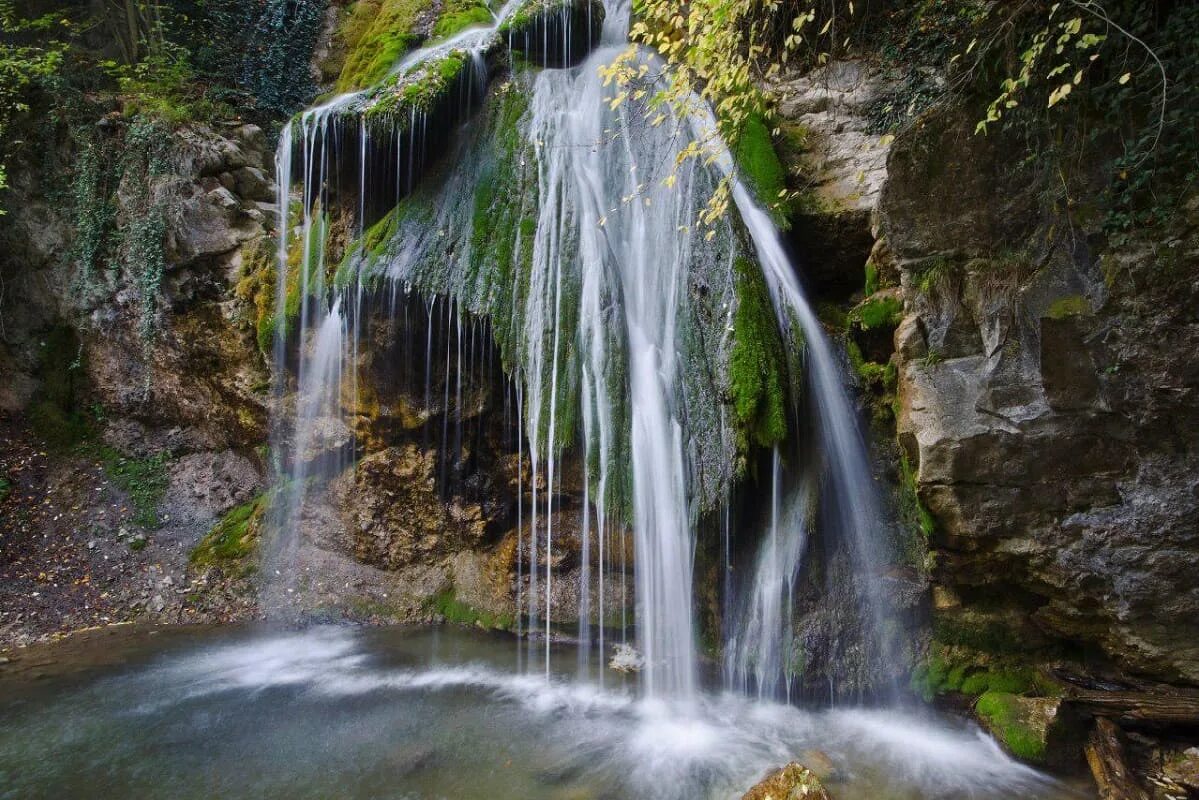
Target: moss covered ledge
553,33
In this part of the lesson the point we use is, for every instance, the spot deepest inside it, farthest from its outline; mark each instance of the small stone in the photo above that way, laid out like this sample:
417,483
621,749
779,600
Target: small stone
91,545
157,603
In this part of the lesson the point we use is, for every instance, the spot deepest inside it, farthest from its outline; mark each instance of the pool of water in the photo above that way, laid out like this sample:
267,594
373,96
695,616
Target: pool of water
336,712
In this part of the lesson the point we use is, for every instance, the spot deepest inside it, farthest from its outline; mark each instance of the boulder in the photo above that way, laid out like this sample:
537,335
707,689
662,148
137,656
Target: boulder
792,782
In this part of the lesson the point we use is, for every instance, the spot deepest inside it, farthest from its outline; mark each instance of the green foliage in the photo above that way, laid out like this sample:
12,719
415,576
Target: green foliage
5,488
1002,713
233,539
757,385
93,191
163,86
144,238
23,64
455,611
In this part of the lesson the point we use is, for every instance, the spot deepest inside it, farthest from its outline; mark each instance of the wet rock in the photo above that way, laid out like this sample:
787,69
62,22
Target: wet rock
792,782
397,515
550,33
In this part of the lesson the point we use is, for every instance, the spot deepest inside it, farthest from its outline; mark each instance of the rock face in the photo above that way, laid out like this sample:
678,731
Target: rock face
159,352
399,518
144,347
1046,385
839,165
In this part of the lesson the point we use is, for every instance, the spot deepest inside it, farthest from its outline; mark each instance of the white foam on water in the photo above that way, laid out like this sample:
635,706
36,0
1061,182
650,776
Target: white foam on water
708,744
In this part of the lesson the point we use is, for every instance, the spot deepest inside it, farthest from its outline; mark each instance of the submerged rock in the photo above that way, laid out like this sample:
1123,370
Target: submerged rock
792,782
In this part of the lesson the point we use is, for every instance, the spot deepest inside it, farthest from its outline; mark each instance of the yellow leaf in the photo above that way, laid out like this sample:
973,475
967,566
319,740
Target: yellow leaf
1125,78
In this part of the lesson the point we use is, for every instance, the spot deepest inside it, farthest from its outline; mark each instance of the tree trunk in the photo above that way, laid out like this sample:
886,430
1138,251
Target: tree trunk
1105,755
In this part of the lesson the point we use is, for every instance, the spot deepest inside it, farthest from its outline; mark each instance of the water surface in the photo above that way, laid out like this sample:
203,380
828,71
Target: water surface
435,713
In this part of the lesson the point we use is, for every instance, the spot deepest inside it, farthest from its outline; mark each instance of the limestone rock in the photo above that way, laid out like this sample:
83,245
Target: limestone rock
397,515
1040,386
792,782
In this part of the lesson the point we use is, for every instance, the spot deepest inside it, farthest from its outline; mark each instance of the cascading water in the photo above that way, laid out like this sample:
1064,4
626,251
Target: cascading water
615,325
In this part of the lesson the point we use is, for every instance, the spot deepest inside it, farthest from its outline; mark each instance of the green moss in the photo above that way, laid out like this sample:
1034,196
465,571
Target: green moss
761,168
910,506
1002,714
1076,305
455,611
879,312
5,488
457,15
420,87
376,34
233,539
143,479
256,289
988,635
872,285
756,382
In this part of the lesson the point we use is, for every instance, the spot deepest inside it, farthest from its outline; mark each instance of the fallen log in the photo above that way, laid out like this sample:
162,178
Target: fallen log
1159,709
1105,755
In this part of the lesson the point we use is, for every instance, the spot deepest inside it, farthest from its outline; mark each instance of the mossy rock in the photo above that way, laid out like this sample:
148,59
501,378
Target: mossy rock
452,610
757,362
377,34
792,782
553,33
761,169
233,540
1075,305
1021,724
458,15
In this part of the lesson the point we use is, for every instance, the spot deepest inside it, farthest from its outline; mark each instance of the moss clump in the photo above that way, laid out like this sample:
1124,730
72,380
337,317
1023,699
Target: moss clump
376,34
143,479
256,289
910,506
232,539
448,605
756,383
1076,305
458,15
761,168
1004,717
878,312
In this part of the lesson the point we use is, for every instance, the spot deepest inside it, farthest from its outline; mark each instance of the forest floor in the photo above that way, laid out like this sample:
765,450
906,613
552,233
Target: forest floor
76,551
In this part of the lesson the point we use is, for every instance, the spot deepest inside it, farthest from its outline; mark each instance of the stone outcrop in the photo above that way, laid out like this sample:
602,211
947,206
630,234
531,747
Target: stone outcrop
1043,377
838,164
1045,382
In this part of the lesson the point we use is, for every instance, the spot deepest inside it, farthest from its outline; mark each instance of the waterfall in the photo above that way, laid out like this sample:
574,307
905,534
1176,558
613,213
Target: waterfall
612,313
